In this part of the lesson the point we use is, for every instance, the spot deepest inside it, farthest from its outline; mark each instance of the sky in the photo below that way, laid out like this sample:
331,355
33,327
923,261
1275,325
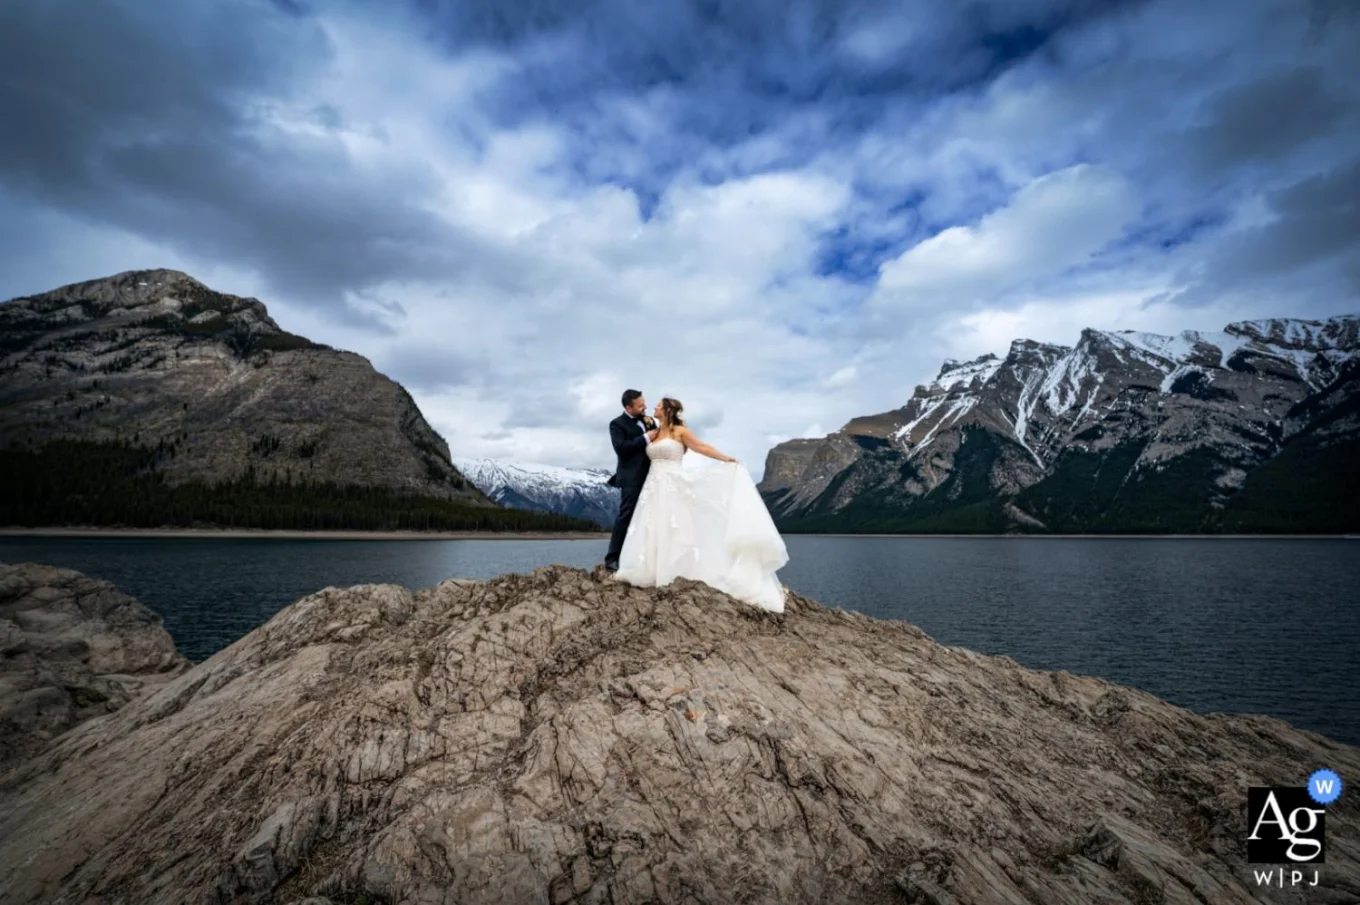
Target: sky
786,214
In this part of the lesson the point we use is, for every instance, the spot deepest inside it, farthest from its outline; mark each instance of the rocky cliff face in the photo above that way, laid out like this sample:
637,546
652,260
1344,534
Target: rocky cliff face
1124,431
563,738
71,648
211,381
577,492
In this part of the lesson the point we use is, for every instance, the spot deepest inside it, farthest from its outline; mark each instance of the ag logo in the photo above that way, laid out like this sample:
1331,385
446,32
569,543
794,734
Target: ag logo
1284,826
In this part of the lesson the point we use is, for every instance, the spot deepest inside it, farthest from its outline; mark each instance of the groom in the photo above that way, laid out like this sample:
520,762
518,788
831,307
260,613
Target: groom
628,432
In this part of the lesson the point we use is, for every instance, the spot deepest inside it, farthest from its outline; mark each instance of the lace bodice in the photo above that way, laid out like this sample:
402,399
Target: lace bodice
666,450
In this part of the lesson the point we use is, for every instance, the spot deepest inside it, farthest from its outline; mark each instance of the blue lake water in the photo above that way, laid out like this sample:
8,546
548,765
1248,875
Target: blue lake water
1241,625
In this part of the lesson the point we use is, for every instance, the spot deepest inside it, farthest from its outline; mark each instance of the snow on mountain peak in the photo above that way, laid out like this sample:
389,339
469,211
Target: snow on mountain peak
579,492
496,473
1293,333
1042,381
954,373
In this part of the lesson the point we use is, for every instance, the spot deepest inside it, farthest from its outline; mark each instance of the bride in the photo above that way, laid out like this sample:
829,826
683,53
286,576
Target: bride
708,525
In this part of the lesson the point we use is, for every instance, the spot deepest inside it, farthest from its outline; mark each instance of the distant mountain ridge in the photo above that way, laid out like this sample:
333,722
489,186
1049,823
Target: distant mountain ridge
143,396
577,492
1252,428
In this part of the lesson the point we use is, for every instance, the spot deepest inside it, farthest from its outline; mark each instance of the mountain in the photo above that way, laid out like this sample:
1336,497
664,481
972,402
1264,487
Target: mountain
563,737
578,492
1254,428
148,398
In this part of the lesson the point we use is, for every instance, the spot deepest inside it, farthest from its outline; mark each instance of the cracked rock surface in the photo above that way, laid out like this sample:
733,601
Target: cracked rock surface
71,648
560,737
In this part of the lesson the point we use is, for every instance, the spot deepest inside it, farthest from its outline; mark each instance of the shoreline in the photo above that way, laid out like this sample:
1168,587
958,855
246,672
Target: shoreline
1111,536
292,534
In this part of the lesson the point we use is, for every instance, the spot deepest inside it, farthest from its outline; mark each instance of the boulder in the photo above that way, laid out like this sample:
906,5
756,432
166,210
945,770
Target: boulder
71,648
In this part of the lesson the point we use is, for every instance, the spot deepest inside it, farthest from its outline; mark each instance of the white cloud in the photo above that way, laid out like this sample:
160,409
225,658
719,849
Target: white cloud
843,377
599,396
672,238
1059,320
594,299
1055,223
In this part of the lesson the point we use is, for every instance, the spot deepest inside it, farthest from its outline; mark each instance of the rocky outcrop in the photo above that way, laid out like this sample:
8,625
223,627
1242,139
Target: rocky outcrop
560,737
1125,431
213,386
71,648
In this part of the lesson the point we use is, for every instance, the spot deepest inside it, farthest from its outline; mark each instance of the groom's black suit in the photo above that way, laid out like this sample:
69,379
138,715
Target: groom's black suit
630,445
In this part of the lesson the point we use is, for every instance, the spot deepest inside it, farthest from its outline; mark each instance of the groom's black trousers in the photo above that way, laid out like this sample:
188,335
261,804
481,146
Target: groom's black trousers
627,503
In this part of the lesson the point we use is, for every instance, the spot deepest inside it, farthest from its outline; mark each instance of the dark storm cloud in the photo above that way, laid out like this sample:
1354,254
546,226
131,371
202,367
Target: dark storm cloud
109,73
146,117
722,73
782,43
1316,222
1211,111
1261,122
541,412
153,119
433,367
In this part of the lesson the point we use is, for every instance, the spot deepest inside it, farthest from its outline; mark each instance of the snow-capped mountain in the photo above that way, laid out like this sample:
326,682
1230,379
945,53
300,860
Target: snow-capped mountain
578,492
1254,427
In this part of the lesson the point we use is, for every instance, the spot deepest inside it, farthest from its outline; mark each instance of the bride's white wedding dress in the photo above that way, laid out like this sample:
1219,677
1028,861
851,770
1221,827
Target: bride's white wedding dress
708,525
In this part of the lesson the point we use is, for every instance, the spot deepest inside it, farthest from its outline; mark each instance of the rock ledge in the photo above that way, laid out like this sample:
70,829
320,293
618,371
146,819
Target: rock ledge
71,648
561,738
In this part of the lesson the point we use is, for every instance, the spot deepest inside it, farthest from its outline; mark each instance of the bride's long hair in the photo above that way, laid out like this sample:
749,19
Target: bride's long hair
672,408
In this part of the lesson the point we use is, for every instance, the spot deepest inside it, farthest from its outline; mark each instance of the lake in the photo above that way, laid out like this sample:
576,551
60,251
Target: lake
1217,624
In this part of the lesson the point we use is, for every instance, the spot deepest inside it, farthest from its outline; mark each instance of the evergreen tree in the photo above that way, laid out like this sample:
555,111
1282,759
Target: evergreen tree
67,482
